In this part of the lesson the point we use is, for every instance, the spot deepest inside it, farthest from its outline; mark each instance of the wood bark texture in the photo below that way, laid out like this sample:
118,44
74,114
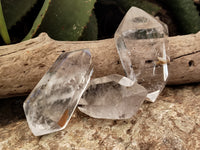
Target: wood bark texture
22,65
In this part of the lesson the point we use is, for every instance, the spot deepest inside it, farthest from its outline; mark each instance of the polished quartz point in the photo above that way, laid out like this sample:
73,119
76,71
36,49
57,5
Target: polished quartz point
141,43
52,102
112,97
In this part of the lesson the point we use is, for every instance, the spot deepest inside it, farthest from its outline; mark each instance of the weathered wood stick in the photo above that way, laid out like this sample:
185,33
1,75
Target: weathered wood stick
22,65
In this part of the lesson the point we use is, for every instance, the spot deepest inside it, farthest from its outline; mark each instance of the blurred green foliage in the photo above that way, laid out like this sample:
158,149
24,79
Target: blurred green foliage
38,20
14,10
186,15
90,30
75,20
3,28
62,20
66,19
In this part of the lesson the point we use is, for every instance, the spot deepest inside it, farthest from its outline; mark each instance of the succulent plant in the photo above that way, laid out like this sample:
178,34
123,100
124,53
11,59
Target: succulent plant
75,20
62,20
185,14
3,28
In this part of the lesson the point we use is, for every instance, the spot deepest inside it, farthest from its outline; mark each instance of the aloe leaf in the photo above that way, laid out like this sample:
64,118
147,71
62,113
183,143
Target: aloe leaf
3,28
90,31
38,20
185,15
14,10
66,19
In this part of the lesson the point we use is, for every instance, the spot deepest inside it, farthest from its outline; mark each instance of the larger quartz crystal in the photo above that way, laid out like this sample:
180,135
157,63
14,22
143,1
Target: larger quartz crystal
141,44
112,97
52,102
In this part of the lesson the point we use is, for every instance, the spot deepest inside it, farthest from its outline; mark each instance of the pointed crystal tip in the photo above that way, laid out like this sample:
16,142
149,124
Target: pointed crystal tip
112,97
52,102
141,44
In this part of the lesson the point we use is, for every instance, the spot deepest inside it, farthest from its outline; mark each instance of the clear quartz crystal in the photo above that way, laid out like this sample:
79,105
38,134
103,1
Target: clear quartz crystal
112,97
141,43
52,102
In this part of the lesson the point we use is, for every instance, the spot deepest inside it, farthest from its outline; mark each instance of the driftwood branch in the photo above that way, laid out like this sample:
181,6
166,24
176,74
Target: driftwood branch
22,65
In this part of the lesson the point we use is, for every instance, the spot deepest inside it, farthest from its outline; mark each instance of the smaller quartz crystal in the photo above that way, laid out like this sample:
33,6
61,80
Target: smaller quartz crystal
52,102
141,43
112,97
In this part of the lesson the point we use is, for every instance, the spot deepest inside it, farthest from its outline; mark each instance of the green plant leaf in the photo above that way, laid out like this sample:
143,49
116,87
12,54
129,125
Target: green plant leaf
14,10
185,14
38,20
90,31
66,19
3,28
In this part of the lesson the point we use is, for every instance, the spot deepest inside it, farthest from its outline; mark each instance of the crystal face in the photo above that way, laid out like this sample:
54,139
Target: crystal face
52,102
112,97
141,43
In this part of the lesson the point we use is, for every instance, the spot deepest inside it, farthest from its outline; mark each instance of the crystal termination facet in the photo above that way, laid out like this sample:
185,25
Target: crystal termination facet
141,42
112,97
52,102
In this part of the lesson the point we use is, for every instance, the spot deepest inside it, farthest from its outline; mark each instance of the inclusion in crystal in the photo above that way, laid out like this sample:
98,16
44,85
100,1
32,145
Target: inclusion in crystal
52,102
141,43
112,97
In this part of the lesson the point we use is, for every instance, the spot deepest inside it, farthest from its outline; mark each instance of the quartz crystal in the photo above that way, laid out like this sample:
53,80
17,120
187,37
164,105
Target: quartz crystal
112,97
52,102
141,43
